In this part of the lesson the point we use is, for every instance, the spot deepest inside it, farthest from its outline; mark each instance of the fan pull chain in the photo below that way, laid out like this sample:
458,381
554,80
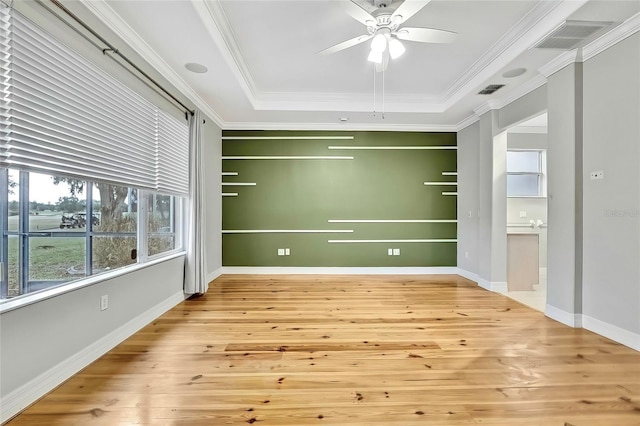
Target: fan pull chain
374,90
383,93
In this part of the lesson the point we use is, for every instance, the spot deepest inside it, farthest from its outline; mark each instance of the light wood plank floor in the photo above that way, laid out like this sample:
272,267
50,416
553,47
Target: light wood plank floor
352,350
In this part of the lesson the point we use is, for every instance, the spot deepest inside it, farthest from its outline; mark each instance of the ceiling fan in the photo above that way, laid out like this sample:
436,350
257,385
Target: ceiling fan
384,19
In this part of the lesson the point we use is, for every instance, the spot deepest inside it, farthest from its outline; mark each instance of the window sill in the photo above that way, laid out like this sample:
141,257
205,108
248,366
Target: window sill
38,296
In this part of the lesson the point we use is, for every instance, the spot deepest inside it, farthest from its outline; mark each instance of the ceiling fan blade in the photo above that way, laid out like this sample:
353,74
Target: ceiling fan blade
345,45
358,13
409,8
425,35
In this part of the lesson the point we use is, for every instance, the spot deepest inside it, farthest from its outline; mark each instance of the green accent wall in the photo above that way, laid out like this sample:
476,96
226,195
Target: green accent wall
305,194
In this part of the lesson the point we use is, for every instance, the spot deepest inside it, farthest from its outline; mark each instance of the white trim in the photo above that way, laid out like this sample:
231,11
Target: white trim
416,147
285,231
561,61
463,124
287,157
29,392
213,275
238,184
616,35
450,193
339,270
270,138
564,317
495,286
387,127
519,91
229,194
468,275
449,173
613,332
433,240
392,221
440,183
229,173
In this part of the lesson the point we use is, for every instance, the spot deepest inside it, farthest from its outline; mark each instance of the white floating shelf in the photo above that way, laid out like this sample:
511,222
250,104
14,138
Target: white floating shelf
238,184
441,183
417,147
229,194
287,157
229,173
392,221
449,173
271,138
450,193
285,231
436,240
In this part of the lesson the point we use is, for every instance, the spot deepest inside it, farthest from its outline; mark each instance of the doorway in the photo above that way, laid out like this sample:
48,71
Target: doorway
526,226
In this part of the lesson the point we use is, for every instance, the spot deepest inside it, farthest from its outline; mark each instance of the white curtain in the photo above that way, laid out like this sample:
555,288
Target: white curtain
195,278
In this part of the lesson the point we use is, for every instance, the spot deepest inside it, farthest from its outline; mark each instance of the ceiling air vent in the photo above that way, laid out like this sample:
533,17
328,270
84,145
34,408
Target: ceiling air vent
490,89
571,35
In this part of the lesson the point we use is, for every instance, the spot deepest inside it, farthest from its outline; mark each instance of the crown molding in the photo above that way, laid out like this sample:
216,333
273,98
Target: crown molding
351,102
467,122
215,21
106,14
486,107
543,18
616,35
527,87
561,61
341,126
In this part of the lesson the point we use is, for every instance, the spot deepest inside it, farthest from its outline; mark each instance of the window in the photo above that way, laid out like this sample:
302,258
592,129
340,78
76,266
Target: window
525,177
92,175
49,240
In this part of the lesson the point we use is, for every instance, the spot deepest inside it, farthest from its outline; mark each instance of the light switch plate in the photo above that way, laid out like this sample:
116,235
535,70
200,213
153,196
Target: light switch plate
280,252
396,252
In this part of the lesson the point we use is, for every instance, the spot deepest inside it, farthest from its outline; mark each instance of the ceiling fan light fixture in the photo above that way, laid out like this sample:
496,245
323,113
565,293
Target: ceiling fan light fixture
379,43
375,56
396,48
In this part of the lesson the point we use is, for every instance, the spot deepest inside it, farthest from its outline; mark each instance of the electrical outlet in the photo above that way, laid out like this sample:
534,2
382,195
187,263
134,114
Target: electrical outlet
469,214
104,302
390,252
396,252
466,254
280,252
287,252
597,175
523,214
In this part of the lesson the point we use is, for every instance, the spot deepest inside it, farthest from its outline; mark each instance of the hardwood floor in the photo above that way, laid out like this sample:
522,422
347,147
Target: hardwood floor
352,350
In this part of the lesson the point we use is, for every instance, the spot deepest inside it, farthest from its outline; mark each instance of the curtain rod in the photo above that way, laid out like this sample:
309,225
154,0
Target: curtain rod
114,50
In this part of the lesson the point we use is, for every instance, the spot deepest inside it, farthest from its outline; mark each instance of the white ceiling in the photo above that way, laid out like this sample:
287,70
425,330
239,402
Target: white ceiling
264,72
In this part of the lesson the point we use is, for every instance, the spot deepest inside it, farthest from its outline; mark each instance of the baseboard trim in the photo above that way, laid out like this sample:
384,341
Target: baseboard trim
291,270
213,275
30,392
564,317
468,275
615,333
495,286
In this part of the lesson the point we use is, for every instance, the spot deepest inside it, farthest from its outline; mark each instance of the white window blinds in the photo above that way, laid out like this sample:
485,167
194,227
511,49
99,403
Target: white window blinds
63,115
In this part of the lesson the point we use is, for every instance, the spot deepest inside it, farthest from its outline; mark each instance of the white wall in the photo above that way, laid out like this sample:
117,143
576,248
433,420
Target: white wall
44,343
564,132
611,271
468,198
